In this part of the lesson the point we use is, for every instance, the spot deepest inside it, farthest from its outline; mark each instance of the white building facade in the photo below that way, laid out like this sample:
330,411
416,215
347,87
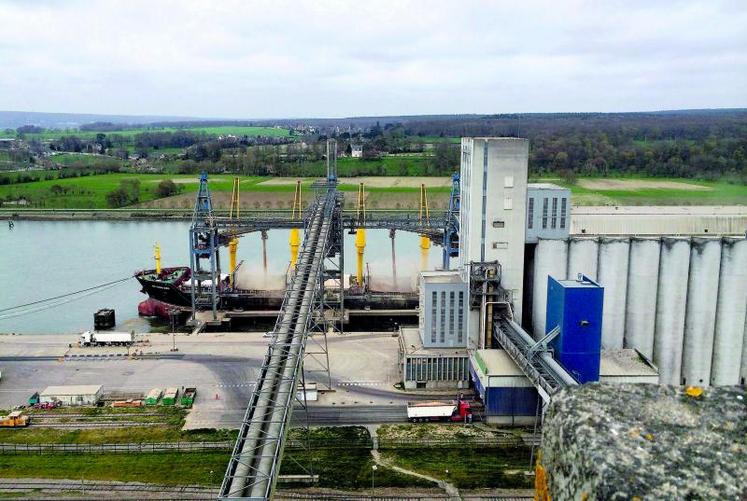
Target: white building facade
493,213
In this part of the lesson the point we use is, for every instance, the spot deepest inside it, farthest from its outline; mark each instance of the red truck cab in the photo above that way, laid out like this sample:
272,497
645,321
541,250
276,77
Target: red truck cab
463,412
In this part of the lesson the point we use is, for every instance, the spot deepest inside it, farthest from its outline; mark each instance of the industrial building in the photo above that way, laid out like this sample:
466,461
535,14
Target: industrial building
647,307
430,368
444,322
492,218
548,212
72,395
511,399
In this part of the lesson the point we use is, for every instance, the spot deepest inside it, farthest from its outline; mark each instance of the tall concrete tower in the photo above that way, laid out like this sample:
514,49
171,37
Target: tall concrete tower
492,223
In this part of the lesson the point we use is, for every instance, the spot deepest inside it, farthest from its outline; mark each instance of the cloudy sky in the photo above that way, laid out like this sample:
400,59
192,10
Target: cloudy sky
250,59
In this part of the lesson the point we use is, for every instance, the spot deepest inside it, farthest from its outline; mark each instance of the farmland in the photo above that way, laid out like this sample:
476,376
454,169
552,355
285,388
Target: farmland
89,192
238,131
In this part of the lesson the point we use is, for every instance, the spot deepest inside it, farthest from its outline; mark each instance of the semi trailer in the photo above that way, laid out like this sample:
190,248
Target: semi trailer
420,412
96,338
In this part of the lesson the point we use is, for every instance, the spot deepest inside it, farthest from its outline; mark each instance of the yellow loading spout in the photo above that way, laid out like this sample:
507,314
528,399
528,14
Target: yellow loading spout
295,242
233,213
157,257
424,217
360,234
360,246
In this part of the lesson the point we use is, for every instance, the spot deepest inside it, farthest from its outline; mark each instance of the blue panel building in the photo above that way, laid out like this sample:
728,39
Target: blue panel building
576,307
509,397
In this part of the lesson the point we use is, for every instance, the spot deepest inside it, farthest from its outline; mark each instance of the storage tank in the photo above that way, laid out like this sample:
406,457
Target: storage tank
730,312
550,259
613,276
643,277
743,370
671,300
700,318
582,257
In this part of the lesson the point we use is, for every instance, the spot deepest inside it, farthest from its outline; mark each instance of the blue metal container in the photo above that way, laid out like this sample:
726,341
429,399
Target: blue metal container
576,307
511,401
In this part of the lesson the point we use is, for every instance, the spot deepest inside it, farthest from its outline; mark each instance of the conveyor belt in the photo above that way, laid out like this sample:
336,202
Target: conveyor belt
545,373
255,461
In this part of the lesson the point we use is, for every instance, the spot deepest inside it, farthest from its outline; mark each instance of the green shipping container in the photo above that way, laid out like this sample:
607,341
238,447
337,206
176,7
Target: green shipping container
188,397
153,397
170,396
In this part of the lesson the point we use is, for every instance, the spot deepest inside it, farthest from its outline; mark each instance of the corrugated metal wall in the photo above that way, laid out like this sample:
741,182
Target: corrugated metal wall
681,301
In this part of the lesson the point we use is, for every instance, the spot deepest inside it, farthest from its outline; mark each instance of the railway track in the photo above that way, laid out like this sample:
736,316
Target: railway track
103,489
100,424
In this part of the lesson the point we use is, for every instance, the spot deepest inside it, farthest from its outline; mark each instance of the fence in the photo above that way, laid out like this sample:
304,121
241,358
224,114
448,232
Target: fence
295,443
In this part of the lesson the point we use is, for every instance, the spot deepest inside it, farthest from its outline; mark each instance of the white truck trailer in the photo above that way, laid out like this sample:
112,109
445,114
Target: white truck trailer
94,338
459,411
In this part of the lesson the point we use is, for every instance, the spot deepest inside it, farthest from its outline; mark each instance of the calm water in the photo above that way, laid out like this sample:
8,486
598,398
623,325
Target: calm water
41,259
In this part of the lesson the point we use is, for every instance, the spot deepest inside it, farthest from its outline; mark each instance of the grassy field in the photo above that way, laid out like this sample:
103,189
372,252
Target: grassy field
652,191
89,192
158,468
132,132
467,468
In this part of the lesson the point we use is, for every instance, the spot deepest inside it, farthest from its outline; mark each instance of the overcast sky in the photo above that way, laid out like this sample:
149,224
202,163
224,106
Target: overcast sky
247,59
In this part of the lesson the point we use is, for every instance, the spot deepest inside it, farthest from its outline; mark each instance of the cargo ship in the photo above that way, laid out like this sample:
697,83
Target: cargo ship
169,286
252,290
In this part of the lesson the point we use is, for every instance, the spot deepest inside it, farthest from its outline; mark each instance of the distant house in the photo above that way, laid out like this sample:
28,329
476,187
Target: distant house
7,143
356,151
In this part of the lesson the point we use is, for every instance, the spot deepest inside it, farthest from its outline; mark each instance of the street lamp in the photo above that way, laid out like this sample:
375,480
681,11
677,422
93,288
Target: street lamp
373,471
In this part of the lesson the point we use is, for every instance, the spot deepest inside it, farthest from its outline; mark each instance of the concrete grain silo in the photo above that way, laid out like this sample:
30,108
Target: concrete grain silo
700,318
671,304
730,313
613,276
550,258
743,370
643,279
583,253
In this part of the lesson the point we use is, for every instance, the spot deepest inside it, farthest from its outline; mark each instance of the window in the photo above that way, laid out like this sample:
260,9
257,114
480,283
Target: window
499,224
434,309
460,319
443,317
544,213
554,213
508,182
530,212
451,316
508,203
563,208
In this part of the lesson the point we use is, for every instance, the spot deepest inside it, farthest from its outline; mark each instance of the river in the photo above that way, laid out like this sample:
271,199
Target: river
43,259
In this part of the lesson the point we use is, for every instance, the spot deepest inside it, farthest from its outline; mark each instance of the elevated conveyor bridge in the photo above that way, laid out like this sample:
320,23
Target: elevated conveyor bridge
255,461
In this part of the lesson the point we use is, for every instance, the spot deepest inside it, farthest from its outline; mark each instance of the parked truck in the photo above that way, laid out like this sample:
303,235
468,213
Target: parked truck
15,419
420,412
96,338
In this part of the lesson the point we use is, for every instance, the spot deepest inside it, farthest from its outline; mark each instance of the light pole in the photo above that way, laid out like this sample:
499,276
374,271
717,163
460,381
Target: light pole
373,471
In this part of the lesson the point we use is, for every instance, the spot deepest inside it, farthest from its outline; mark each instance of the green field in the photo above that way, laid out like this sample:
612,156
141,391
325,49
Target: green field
89,192
707,193
132,132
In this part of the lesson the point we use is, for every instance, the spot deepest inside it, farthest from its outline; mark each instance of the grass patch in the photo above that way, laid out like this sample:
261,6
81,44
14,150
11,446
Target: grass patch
160,468
345,469
468,468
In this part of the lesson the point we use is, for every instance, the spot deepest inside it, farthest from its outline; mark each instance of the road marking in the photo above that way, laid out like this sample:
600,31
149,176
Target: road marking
364,383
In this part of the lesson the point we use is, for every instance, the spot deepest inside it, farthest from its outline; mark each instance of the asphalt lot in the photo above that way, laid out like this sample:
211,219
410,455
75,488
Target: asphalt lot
223,367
